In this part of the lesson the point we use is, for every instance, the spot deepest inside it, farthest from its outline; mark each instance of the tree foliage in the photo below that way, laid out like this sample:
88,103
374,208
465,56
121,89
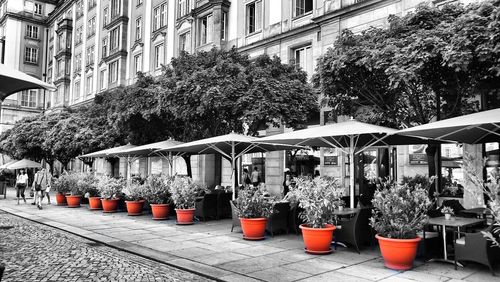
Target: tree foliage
394,76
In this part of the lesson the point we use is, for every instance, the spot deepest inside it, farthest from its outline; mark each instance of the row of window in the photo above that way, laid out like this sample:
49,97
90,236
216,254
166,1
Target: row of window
79,7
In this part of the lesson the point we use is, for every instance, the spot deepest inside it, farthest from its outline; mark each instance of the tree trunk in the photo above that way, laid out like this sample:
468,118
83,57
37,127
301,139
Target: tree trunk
187,159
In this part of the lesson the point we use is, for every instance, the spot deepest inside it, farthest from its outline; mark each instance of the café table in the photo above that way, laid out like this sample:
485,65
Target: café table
455,223
345,212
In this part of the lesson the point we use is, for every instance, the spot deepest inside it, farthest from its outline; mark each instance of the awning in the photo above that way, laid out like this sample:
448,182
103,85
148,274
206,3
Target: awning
12,81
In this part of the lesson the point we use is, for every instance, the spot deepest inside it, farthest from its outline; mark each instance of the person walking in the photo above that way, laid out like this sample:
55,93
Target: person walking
21,184
255,177
40,185
46,185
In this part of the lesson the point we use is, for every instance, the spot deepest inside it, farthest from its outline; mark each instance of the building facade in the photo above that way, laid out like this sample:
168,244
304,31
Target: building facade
22,44
85,47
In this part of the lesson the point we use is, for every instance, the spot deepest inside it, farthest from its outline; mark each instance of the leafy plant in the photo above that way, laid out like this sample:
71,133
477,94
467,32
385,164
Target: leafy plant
253,203
157,189
184,192
490,188
134,191
418,179
87,184
400,210
318,197
447,210
110,187
65,183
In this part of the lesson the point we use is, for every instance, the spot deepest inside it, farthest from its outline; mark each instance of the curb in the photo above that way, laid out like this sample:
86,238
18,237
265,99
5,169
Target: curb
123,249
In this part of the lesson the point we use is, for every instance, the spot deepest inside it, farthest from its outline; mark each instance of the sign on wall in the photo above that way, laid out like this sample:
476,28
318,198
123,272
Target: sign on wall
417,154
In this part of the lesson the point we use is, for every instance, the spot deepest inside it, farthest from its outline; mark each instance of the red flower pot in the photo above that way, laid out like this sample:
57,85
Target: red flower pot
73,201
95,203
253,228
398,254
109,205
317,240
60,199
134,207
160,211
185,216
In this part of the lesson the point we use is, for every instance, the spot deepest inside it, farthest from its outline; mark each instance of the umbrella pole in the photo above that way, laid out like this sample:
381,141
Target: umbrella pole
171,163
351,172
233,168
129,166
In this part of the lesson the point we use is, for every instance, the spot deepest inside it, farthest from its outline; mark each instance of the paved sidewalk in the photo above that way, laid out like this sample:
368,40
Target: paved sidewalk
211,249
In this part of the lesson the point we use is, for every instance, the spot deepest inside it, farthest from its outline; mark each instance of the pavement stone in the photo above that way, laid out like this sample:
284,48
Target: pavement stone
35,252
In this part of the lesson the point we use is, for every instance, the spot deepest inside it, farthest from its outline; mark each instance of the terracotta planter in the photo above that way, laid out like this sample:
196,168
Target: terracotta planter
185,216
95,203
398,254
134,207
61,199
253,228
160,211
109,205
73,201
317,240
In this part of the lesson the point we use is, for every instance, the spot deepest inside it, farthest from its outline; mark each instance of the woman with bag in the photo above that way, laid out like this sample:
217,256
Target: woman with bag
38,185
21,184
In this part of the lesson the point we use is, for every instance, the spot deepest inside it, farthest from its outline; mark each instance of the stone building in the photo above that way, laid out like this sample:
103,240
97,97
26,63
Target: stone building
88,46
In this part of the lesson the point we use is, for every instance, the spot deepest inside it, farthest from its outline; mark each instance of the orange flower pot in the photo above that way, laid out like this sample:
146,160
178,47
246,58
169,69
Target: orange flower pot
398,254
73,201
185,216
160,211
61,199
134,207
109,205
317,240
253,228
95,203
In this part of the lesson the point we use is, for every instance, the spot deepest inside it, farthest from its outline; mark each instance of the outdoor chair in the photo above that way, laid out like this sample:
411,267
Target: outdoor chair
206,207
278,221
476,248
223,207
294,220
356,230
235,218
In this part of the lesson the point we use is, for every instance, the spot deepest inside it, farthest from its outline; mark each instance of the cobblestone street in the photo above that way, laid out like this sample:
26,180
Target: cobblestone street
35,252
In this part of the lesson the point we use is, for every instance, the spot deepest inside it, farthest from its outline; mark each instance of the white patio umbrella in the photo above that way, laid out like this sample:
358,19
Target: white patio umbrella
4,166
136,152
481,127
105,153
232,146
351,137
24,163
12,81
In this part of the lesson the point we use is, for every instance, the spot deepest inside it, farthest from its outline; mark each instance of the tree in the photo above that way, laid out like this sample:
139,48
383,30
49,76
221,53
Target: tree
399,76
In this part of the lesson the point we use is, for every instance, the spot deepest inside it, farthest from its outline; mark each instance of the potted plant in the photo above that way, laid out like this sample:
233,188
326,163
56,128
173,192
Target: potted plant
134,198
400,212
448,212
157,194
319,197
110,189
341,205
62,186
253,208
74,198
88,186
184,192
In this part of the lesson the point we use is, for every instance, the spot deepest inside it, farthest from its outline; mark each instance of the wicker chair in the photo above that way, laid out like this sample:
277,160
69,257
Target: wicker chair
234,215
278,221
356,230
206,207
475,247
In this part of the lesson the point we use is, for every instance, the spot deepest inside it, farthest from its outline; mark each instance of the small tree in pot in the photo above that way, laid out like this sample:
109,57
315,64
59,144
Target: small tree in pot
62,185
134,197
400,212
319,197
74,198
254,208
110,189
88,185
157,194
184,192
